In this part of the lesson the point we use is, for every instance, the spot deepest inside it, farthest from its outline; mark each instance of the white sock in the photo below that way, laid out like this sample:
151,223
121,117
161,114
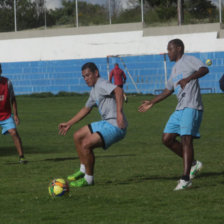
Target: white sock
82,168
89,178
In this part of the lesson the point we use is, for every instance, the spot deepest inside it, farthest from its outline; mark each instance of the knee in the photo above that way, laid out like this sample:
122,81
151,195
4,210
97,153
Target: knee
86,145
86,148
166,140
12,132
77,136
186,140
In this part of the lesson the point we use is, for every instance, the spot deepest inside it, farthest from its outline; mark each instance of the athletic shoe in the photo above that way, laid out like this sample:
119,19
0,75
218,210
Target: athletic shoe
182,184
195,169
80,183
22,161
76,176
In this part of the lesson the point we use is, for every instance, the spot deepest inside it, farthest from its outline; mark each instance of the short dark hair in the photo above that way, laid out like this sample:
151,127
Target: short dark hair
91,66
116,64
178,43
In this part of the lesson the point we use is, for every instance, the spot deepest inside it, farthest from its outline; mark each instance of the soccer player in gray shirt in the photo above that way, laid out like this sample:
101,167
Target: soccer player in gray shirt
112,128
186,119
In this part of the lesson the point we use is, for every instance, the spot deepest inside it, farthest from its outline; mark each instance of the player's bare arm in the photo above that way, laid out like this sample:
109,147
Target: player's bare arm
196,75
119,100
147,104
15,112
65,126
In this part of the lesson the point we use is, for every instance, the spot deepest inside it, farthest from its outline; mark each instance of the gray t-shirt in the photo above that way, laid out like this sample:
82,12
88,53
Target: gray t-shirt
102,96
190,96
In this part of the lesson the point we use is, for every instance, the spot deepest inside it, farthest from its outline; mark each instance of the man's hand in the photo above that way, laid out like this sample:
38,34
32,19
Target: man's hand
16,119
183,82
63,128
146,105
120,121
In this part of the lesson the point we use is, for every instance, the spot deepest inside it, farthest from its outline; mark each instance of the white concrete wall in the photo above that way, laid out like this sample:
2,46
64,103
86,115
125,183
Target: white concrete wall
101,45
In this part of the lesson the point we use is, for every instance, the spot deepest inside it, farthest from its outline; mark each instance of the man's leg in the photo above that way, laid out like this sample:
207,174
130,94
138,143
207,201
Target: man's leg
17,141
169,140
184,150
88,145
85,142
78,137
188,154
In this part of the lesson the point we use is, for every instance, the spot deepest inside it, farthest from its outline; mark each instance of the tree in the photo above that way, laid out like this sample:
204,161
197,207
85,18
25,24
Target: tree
195,10
88,14
6,16
158,3
165,9
202,9
30,14
27,16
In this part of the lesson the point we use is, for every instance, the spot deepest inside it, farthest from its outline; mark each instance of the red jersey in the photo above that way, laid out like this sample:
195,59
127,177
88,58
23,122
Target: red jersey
5,105
119,76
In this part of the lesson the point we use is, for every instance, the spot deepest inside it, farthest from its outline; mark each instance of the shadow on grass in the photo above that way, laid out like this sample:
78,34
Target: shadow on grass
139,179
210,174
74,158
70,158
7,151
11,150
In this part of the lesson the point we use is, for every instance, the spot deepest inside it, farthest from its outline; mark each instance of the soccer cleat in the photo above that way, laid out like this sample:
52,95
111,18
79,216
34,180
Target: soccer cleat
80,183
182,184
76,176
22,160
195,169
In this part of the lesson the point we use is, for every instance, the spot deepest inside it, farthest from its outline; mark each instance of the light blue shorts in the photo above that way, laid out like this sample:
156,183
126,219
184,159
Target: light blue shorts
185,122
108,132
7,125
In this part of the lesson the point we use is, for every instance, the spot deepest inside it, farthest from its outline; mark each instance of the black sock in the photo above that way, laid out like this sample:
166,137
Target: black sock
21,156
185,177
194,162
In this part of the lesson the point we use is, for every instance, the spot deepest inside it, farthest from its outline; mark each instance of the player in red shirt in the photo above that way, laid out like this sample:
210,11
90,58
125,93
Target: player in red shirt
119,77
8,121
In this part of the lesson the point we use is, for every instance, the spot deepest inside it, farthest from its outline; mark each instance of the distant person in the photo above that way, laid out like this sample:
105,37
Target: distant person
8,121
119,77
221,83
186,119
112,128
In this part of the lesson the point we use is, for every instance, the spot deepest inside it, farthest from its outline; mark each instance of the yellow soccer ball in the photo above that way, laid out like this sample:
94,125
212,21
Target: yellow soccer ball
58,187
208,62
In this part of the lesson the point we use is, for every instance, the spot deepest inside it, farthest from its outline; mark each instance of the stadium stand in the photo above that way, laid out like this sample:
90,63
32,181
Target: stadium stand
65,75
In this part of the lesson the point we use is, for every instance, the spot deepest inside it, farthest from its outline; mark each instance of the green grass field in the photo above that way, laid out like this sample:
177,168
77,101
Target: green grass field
134,179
